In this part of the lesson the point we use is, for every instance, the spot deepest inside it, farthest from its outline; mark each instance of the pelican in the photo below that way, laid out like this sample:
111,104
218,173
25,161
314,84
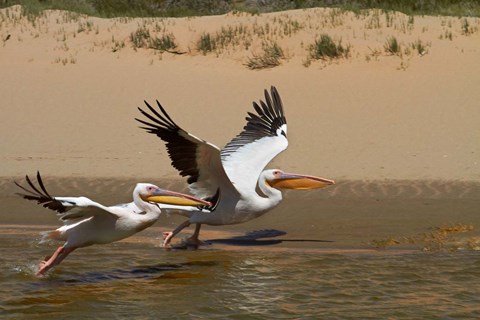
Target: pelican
87,222
233,178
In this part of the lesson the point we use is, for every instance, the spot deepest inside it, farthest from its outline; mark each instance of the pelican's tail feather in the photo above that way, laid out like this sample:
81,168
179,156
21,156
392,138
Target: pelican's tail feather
51,235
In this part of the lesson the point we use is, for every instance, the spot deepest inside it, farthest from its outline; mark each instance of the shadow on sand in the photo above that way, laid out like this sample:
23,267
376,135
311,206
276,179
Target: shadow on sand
258,238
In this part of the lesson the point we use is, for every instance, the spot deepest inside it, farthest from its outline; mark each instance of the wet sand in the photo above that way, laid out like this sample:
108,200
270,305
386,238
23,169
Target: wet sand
349,215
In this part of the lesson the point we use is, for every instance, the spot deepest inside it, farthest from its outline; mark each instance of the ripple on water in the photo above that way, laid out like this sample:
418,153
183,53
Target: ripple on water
343,279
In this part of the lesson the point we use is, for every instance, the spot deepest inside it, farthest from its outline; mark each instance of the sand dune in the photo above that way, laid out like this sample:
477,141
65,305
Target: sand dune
70,86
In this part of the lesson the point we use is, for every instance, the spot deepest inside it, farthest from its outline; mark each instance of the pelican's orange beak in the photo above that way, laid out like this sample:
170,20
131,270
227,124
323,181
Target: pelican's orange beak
299,182
175,198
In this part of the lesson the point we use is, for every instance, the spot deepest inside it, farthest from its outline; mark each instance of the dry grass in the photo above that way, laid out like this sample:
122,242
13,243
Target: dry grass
439,238
269,58
240,37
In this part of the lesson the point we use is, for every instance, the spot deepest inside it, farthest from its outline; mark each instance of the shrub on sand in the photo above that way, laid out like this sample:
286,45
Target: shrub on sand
392,46
324,47
269,58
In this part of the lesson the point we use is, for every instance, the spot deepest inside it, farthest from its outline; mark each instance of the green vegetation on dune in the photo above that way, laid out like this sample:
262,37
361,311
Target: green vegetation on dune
178,8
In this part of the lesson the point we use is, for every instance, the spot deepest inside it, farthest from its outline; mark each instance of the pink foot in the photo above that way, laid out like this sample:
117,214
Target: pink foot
167,237
42,266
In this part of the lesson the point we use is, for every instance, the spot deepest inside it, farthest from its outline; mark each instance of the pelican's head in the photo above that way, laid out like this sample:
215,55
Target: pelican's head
152,193
282,180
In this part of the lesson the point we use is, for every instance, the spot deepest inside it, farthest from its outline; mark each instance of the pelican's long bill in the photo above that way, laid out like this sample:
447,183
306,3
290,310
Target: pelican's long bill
175,198
299,182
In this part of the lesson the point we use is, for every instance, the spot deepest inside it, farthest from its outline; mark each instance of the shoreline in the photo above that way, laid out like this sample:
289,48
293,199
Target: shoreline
348,189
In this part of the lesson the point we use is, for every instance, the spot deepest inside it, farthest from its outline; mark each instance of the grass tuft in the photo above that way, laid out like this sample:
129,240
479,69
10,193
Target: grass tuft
140,38
392,46
325,48
421,47
206,43
269,58
164,43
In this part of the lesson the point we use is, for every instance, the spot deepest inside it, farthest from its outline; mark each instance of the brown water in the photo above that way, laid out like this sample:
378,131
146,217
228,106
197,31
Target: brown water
358,250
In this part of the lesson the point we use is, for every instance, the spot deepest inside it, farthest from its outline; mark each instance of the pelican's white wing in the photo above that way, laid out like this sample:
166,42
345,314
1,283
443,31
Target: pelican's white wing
194,158
263,137
69,209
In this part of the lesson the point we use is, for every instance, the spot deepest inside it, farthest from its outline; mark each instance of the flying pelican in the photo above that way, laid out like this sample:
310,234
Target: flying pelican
232,178
87,222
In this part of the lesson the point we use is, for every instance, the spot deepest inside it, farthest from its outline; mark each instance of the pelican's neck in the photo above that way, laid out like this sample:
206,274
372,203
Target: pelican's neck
273,196
151,210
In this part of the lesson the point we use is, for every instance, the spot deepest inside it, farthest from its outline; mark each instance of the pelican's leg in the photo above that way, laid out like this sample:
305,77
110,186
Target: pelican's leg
49,262
167,236
193,240
45,264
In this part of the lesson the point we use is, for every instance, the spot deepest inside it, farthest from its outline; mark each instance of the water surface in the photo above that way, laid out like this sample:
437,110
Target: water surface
360,250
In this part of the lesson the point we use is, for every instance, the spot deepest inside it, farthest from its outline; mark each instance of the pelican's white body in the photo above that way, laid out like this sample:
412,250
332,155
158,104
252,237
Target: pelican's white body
123,222
240,207
98,224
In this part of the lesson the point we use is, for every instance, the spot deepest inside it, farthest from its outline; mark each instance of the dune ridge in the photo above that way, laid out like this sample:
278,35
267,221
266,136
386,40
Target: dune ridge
71,85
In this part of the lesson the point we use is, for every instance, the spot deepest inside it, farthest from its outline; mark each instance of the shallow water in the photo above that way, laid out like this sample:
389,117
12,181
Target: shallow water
356,251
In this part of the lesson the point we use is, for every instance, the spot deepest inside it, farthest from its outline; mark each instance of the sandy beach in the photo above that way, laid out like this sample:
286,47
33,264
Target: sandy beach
71,85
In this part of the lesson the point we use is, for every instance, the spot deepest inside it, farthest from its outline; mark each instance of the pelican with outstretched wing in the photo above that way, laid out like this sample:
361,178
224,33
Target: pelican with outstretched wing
233,178
87,222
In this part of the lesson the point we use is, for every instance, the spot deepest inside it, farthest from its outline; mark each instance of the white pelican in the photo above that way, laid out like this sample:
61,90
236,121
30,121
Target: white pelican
232,178
87,222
